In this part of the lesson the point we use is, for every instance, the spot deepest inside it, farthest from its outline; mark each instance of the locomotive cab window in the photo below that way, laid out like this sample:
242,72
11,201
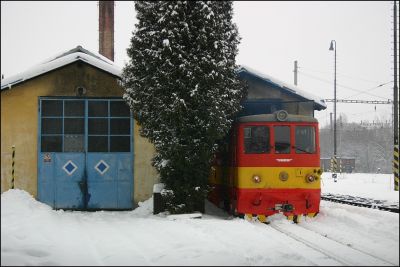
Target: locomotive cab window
305,139
282,139
256,140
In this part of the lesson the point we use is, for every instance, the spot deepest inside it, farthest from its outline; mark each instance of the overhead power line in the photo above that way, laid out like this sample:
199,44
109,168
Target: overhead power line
360,101
339,74
363,92
359,91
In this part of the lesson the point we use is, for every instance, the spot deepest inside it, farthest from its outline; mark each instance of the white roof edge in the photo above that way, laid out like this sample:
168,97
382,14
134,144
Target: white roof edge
57,62
291,88
80,49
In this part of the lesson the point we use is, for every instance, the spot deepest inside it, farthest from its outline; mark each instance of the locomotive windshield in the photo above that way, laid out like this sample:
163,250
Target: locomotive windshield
256,140
282,139
305,139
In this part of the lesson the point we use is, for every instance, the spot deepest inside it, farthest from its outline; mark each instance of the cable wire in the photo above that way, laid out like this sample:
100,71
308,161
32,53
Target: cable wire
323,80
340,74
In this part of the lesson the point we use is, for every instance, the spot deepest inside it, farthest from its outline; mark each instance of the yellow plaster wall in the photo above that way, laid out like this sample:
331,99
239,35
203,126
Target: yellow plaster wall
144,177
19,125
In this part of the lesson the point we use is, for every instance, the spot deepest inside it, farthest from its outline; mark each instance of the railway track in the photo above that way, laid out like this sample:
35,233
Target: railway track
362,202
336,251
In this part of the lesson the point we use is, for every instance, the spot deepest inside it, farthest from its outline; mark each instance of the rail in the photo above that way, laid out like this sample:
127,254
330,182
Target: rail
362,202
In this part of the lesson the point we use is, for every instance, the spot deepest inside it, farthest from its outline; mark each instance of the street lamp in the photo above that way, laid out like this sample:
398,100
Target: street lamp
333,48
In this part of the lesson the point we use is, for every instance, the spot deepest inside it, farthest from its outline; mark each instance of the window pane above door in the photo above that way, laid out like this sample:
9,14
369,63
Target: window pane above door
51,143
120,144
74,126
74,143
84,125
98,126
51,126
52,108
98,108
98,144
119,109
120,126
74,108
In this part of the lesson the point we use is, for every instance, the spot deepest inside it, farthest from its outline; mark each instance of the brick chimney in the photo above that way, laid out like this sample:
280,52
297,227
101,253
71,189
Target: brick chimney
106,29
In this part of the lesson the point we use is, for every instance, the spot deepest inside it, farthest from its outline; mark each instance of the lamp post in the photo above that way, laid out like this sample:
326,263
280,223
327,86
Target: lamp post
333,48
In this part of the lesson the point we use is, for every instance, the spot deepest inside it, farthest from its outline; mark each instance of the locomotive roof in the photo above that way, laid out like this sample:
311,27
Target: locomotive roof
272,118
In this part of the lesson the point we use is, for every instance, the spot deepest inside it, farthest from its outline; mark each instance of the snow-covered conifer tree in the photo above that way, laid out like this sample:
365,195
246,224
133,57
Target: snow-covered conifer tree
183,89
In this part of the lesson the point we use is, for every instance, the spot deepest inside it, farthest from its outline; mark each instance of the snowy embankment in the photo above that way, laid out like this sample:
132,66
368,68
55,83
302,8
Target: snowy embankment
34,234
367,185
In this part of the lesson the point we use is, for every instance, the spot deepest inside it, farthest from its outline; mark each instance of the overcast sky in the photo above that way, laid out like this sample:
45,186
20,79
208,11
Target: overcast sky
274,35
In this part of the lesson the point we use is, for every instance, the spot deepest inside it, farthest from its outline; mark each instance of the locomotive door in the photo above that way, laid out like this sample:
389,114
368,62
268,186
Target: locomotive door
85,159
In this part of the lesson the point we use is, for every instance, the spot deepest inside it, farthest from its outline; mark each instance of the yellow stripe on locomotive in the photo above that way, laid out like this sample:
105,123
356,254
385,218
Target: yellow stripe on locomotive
269,177
277,177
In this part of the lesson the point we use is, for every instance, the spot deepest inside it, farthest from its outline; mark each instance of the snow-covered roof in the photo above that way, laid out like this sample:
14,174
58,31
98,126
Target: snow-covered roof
60,60
319,102
103,63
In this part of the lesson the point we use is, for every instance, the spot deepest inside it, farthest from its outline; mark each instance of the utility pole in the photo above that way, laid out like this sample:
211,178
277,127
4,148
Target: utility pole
334,175
295,72
395,106
331,132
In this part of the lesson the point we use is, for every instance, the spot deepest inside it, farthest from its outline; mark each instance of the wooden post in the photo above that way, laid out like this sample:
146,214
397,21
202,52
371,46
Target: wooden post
12,167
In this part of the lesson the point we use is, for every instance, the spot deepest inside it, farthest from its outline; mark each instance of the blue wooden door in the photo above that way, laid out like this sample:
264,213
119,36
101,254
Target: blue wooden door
109,182
61,180
85,159
69,172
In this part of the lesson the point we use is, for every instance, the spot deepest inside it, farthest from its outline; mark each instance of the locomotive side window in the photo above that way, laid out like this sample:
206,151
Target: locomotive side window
305,139
256,140
282,139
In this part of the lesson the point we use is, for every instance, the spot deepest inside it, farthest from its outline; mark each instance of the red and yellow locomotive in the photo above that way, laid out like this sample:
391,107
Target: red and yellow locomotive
271,164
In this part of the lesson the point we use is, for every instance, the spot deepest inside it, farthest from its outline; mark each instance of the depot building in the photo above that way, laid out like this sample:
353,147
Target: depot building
74,136
70,140
76,143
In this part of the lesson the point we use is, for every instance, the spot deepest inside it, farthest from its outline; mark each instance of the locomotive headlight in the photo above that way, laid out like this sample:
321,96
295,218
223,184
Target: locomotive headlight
256,178
310,178
283,176
318,171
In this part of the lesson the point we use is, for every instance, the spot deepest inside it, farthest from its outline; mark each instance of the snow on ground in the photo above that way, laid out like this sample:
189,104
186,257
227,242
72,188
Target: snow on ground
34,234
371,185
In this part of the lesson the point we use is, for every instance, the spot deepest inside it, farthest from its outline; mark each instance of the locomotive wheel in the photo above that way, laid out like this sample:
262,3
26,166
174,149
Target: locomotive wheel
312,214
296,218
249,217
263,219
